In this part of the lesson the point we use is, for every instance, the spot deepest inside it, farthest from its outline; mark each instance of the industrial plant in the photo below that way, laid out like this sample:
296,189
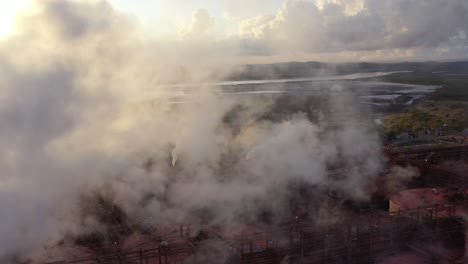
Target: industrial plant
422,223
234,132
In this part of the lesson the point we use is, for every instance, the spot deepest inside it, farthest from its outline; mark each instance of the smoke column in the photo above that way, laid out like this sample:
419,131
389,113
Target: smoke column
84,108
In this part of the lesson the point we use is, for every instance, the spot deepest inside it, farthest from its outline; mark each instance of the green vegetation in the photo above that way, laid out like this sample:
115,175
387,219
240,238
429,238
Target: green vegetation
455,86
418,120
446,110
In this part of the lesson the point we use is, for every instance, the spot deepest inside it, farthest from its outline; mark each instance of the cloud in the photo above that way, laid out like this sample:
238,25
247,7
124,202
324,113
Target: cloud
246,8
202,24
368,25
351,7
343,30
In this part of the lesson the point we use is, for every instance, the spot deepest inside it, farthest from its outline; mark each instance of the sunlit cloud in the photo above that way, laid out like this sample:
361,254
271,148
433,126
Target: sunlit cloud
9,10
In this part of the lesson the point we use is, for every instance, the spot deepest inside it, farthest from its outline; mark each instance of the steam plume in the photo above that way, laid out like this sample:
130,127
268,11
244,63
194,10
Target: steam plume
83,110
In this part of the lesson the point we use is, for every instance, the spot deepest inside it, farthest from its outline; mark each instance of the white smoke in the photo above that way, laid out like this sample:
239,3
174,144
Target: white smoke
82,112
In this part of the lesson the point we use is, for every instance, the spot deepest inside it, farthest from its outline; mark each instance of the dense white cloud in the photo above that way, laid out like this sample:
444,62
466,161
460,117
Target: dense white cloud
364,25
201,25
328,30
351,7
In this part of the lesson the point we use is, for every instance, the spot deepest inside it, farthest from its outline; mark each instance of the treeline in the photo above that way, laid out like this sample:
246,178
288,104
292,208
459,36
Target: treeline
419,120
312,68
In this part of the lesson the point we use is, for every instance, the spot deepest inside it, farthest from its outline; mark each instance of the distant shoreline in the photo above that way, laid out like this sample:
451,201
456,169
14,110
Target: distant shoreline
354,76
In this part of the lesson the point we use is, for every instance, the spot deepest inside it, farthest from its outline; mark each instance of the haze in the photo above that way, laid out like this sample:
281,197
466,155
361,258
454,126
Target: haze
121,119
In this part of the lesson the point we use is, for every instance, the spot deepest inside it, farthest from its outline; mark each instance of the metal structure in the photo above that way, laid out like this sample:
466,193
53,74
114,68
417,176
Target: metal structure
363,238
360,239
458,152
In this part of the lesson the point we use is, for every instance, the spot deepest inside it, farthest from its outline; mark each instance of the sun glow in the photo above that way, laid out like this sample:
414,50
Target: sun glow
8,12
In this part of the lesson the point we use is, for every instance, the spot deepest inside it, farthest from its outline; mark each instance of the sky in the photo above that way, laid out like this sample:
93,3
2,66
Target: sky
271,30
161,16
278,30
164,16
